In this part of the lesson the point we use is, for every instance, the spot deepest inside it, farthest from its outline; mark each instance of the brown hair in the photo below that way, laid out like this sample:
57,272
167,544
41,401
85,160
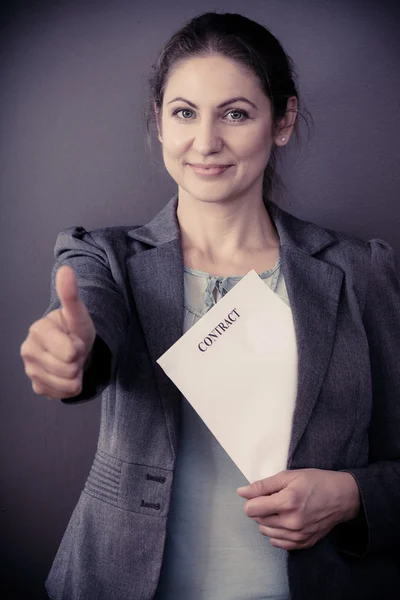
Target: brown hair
250,44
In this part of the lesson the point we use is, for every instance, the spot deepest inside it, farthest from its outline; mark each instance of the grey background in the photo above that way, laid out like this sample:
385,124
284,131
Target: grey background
73,87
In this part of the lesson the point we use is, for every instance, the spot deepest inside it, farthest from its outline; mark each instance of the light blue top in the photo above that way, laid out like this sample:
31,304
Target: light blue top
214,551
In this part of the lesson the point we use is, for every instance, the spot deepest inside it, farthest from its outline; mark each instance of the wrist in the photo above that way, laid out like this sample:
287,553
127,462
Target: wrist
88,360
350,496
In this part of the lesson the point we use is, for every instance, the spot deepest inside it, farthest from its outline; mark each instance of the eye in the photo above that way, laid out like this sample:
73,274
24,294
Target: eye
243,114
178,110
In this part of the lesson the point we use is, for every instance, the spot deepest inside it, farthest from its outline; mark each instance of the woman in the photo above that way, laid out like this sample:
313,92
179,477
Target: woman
223,94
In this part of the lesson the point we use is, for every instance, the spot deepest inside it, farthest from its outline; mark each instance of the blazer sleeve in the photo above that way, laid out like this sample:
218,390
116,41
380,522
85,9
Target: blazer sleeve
98,289
377,527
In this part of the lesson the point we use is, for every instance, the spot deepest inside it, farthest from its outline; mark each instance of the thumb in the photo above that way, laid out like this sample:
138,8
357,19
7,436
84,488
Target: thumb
73,310
265,487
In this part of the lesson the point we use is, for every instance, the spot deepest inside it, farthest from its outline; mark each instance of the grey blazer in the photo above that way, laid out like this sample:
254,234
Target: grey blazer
345,298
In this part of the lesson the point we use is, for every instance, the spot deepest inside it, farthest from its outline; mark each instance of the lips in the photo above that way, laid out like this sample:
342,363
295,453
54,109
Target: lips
200,166
209,171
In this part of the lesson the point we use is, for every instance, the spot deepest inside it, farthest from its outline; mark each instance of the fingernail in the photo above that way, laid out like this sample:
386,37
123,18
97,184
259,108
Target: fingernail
243,489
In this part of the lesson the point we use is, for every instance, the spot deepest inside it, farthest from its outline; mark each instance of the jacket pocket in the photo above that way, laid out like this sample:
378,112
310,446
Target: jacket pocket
130,486
112,547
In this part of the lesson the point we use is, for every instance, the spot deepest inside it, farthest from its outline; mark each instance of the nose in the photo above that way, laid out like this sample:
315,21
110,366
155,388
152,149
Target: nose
207,138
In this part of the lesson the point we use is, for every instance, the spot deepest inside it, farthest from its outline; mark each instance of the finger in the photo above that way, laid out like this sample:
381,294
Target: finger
292,520
39,388
44,382
267,486
73,309
288,545
283,534
49,337
67,289
265,506
51,364
276,521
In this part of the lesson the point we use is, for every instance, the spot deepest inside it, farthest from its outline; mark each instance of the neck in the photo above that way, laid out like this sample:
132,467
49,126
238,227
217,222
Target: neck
217,231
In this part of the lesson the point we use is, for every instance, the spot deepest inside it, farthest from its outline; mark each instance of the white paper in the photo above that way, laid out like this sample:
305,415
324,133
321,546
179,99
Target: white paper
244,384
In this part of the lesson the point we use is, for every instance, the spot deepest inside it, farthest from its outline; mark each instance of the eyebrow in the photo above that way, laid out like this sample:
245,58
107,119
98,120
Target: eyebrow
230,101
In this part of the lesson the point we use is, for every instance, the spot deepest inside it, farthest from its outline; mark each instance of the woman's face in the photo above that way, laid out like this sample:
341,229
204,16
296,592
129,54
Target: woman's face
237,134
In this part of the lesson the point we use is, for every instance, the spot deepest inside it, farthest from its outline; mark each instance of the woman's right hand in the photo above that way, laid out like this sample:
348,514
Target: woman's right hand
59,344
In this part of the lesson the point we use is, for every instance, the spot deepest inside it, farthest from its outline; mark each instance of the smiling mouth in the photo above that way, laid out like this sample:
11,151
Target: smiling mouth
199,166
209,171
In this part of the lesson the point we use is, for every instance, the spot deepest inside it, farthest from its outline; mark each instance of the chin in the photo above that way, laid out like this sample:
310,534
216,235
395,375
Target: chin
205,195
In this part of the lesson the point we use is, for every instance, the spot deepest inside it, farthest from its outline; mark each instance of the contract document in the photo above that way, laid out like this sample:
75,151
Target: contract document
237,366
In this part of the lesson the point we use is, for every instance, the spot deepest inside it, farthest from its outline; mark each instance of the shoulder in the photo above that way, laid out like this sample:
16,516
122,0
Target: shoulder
104,238
103,234
364,263
370,267
341,247
352,249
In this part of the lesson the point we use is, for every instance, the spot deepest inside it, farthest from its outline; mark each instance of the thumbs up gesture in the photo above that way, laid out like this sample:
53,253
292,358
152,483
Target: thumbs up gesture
57,346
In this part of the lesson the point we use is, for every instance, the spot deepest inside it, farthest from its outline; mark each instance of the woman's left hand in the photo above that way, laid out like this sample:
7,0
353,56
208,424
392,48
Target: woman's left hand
297,508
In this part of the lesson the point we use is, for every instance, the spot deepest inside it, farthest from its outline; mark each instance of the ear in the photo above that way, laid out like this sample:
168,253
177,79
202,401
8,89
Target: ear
156,112
286,124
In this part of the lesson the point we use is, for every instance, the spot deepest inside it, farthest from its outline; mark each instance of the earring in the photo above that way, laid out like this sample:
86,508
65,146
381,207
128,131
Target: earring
283,139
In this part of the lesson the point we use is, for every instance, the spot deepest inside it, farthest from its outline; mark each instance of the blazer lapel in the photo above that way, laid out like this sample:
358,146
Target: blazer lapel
313,287
156,276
